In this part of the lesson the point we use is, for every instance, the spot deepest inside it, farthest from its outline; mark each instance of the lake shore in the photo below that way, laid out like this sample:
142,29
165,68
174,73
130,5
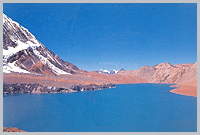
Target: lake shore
37,88
185,90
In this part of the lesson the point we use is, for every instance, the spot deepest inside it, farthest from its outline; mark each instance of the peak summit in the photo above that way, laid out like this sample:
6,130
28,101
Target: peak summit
164,65
121,70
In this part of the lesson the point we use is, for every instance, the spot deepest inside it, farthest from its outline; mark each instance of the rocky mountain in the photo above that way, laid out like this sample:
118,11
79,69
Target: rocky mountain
23,53
121,71
168,73
145,72
189,78
164,73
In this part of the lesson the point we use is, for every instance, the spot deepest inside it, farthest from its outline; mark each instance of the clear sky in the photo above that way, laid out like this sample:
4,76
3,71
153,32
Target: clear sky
112,36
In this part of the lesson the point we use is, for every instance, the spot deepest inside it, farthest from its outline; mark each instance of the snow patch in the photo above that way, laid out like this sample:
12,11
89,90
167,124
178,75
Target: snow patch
33,62
20,46
104,71
11,67
58,62
113,71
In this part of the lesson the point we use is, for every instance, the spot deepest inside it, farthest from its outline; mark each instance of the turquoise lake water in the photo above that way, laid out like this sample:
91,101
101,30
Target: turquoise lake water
126,108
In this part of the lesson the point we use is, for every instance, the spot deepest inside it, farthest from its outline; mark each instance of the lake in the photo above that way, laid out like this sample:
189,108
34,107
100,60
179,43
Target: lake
126,108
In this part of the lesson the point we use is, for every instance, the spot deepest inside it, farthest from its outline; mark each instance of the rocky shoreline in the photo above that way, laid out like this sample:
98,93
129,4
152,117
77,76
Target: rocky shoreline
37,88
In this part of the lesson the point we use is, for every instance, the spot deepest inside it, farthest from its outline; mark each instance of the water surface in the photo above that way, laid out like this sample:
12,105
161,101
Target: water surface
129,108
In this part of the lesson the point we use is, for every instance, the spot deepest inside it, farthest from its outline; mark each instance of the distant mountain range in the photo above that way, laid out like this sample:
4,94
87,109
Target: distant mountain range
165,73
161,73
113,71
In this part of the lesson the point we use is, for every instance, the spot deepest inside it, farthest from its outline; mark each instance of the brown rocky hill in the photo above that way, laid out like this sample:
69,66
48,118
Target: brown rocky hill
165,73
168,73
145,72
190,77
188,84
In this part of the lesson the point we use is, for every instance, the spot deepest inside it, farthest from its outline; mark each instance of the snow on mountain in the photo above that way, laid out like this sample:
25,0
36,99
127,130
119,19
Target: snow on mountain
23,53
104,71
113,71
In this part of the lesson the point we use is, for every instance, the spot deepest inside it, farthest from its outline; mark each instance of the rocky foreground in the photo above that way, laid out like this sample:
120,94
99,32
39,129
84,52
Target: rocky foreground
14,129
37,88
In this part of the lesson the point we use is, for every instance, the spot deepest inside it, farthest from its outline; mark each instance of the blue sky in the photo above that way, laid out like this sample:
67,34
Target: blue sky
112,36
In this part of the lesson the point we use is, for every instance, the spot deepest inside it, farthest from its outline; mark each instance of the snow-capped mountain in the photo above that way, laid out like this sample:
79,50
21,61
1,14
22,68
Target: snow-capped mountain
104,71
113,71
23,53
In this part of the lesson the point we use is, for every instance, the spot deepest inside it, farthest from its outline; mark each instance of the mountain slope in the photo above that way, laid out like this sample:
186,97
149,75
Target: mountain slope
190,77
145,72
23,53
188,84
168,73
